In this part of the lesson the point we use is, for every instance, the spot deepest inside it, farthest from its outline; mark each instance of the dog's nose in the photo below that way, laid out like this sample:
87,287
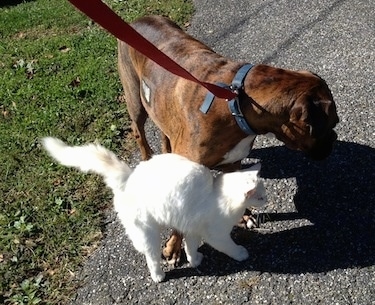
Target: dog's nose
323,147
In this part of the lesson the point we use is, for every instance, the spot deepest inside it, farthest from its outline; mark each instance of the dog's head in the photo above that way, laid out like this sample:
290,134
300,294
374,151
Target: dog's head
312,118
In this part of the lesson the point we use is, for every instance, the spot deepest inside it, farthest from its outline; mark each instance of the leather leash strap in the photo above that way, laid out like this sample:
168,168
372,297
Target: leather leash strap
109,20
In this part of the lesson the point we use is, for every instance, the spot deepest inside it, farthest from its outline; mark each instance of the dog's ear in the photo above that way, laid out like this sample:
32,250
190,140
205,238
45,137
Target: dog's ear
298,125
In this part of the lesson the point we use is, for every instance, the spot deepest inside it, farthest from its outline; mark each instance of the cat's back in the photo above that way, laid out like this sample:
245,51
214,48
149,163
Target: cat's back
167,189
169,173
172,165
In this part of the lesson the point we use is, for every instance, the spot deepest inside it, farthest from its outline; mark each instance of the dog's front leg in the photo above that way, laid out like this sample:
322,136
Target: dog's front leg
172,250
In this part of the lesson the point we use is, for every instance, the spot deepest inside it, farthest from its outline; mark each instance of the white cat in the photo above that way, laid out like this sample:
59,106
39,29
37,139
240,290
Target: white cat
170,191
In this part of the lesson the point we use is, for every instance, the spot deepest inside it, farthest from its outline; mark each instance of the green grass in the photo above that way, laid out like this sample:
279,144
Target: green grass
58,76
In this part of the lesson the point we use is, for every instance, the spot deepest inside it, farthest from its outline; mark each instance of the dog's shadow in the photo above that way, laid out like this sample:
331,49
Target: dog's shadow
337,196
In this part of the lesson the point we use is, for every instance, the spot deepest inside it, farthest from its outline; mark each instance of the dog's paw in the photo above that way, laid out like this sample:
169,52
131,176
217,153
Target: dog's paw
158,277
172,250
241,254
196,261
172,257
251,222
248,222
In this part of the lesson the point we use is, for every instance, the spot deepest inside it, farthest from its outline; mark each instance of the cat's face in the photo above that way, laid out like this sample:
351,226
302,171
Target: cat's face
257,196
244,187
255,192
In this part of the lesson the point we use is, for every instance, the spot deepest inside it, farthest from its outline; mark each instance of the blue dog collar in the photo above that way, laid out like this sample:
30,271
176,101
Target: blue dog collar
234,104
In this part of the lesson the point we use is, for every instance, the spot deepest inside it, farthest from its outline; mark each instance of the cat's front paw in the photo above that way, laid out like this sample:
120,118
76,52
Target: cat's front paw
241,254
158,277
196,261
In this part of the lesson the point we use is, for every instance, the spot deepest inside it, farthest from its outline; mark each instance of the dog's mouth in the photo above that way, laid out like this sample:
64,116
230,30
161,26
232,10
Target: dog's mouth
322,147
319,150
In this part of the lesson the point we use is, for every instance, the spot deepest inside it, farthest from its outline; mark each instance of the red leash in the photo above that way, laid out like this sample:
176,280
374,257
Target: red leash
108,19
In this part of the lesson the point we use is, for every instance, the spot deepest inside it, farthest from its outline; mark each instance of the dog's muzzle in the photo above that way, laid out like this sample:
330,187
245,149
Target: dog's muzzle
322,147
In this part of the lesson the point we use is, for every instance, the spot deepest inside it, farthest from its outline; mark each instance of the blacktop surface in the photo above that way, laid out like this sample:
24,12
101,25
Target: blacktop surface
317,244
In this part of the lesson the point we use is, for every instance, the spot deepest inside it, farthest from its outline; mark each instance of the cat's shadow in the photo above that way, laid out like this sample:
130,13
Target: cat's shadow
336,196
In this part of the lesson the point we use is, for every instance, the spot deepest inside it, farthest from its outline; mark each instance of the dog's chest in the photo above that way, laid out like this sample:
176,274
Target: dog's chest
240,151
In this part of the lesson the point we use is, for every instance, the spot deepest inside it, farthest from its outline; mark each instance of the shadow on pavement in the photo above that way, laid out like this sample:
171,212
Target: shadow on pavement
337,196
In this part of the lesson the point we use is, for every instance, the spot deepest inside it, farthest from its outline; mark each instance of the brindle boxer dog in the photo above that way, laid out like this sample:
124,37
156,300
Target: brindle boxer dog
296,106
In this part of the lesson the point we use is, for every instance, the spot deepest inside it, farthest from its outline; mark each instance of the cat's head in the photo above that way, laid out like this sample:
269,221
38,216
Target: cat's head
255,192
245,186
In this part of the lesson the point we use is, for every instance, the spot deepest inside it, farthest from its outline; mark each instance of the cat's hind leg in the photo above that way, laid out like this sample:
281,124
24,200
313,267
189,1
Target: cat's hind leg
147,241
192,243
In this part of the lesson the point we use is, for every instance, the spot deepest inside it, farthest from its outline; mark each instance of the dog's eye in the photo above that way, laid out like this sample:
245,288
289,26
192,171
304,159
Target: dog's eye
318,117
316,103
310,130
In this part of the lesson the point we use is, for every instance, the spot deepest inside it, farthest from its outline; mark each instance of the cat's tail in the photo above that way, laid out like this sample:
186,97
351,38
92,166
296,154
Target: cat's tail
91,157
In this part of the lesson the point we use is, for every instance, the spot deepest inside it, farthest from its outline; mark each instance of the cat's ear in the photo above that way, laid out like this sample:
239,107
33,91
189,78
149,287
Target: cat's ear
250,193
256,167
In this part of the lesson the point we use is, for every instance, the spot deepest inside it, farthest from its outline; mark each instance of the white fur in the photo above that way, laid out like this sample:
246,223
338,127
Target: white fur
240,151
170,190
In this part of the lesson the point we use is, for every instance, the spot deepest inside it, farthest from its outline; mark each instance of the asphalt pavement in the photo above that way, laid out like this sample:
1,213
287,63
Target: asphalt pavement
317,242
